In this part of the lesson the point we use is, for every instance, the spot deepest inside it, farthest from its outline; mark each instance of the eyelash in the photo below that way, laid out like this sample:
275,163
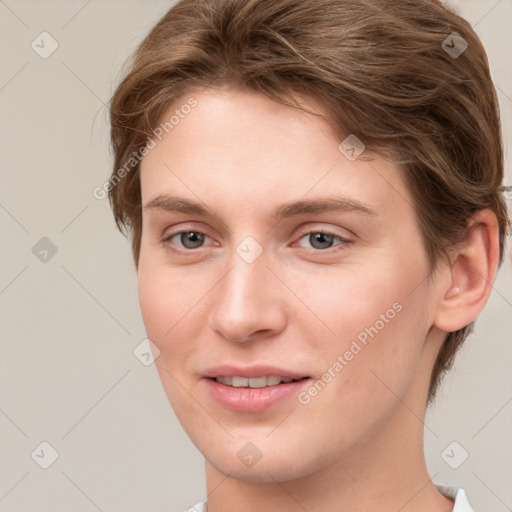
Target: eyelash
167,240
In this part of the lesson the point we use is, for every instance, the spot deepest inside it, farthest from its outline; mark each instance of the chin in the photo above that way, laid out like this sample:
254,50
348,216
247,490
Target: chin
268,471
265,460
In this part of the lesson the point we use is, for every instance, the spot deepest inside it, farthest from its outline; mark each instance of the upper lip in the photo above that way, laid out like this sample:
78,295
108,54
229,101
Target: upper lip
251,371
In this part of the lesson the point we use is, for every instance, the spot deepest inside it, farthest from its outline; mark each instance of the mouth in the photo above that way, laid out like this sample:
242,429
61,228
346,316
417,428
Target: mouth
255,382
253,389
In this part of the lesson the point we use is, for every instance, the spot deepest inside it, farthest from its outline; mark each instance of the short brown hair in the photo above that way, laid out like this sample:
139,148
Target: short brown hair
381,69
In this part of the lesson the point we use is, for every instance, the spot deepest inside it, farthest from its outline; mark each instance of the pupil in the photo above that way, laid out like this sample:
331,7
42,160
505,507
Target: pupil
322,239
191,239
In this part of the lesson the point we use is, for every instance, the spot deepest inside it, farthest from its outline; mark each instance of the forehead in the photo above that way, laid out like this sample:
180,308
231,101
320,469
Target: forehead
242,147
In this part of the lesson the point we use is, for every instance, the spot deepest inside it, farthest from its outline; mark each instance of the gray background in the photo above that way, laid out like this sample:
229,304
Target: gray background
68,375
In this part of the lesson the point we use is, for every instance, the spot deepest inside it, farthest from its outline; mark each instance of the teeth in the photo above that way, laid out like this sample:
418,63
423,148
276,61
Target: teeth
272,381
257,382
239,382
253,382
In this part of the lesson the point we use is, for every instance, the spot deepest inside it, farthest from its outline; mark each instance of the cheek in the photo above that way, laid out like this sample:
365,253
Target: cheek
369,366
166,299
166,302
353,300
378,318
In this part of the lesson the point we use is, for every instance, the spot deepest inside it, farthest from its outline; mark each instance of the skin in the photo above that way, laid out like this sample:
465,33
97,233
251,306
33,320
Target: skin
358,444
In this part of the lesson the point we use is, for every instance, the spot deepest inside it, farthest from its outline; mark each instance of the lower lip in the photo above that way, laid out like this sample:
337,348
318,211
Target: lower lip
253,399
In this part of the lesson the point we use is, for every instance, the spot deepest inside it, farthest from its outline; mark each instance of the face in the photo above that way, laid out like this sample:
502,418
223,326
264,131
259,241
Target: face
267,255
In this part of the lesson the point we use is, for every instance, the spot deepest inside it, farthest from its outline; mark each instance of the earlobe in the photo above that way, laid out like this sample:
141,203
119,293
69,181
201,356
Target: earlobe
472,272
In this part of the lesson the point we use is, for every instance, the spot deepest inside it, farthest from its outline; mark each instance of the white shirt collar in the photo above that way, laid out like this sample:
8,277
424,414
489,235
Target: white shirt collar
458,495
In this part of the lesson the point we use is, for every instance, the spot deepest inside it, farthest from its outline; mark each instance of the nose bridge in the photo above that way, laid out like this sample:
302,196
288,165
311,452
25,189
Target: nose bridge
246,285
246,299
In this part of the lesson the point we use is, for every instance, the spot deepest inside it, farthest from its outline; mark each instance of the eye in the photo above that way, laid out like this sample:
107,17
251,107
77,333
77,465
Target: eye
188,239
321,240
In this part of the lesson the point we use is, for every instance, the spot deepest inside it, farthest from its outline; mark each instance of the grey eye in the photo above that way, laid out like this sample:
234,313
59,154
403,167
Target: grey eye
190,239
320,240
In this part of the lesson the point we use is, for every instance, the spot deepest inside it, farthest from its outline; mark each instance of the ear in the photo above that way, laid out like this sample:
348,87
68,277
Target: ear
472,272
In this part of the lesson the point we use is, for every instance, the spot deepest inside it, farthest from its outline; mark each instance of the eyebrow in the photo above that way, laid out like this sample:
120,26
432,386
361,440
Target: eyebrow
290,209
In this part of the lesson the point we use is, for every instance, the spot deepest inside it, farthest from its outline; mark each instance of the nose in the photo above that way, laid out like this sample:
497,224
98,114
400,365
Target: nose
248,302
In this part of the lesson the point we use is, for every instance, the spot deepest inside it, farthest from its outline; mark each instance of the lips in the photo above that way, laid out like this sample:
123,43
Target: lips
252,389
256,371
